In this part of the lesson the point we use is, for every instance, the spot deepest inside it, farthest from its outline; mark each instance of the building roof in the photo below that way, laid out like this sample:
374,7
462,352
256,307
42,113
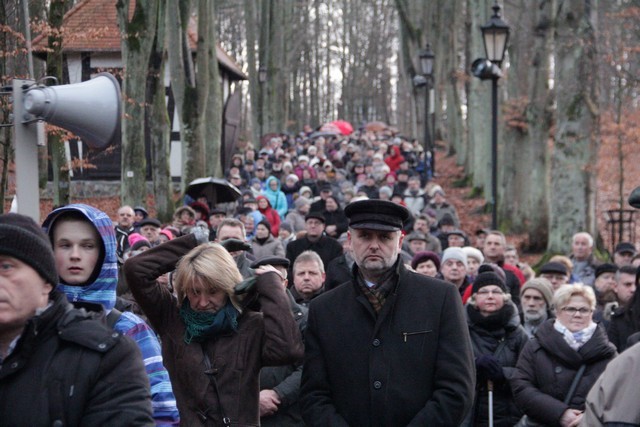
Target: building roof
94,26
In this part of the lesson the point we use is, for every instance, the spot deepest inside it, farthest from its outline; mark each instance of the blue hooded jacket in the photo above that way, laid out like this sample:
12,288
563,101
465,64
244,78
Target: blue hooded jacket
277,198
102,290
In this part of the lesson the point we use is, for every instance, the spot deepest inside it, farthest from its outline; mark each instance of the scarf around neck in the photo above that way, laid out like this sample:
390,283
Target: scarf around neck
201,325
575,340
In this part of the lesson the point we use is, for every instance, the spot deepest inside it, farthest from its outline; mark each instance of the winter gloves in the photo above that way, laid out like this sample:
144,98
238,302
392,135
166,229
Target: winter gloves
488,368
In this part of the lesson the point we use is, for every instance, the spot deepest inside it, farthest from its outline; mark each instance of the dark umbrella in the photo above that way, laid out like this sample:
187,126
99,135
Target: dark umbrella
216,190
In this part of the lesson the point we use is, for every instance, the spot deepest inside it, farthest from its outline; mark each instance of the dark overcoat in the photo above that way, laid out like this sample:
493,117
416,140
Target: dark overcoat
411,364
546,368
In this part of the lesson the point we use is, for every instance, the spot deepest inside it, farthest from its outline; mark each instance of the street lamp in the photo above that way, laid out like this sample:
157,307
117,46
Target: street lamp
495,35
427,59
262,78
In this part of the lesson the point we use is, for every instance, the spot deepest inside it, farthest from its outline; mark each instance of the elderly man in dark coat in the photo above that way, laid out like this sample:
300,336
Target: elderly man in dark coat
390,348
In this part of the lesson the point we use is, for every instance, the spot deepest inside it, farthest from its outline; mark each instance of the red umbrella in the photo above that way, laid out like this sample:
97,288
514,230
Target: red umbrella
344,126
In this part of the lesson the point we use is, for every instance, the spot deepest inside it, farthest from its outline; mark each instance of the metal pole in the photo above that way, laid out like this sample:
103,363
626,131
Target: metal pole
25,139
432,111
427,135
494,153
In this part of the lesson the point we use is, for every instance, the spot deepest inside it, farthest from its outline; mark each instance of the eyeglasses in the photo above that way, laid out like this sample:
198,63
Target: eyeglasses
573,310
490,291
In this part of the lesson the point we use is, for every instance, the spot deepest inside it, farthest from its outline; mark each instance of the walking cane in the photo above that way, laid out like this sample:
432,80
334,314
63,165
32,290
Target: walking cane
490,388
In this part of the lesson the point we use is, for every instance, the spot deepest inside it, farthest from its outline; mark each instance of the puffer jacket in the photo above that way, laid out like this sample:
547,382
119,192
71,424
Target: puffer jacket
101,289
268,338
547,367
502,336
277,198
70,369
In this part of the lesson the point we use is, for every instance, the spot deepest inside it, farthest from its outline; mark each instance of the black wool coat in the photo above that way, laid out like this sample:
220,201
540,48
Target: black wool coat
71,369
410,364
546,368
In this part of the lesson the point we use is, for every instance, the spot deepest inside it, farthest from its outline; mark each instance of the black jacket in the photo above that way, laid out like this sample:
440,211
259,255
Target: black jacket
546,369
338,272
410,364
327,247
501,336
285,380
70,367
621,327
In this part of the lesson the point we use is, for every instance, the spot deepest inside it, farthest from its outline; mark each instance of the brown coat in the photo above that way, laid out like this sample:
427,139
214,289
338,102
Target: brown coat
262,339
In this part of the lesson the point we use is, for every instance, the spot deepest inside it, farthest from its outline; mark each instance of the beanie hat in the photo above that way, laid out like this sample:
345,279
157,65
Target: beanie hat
167,233
301,201
487,279
456,254
423,256
22,238
541,285
134,237
493,268
140,244
473,253
606,268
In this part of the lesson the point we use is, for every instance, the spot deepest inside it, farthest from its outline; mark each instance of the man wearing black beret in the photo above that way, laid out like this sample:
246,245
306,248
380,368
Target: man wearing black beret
391,347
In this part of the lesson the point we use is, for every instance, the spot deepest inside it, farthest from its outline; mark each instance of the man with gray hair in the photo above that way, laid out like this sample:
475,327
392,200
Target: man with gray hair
584,263
536,297
308,277
453,268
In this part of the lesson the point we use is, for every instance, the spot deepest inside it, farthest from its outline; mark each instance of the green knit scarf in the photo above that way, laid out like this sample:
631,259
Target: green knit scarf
201,325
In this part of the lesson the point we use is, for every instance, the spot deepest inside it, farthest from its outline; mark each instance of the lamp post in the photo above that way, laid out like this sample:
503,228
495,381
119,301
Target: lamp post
427,59
262,78
495,35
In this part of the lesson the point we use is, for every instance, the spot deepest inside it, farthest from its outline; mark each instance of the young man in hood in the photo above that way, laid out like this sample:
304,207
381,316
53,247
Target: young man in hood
84,247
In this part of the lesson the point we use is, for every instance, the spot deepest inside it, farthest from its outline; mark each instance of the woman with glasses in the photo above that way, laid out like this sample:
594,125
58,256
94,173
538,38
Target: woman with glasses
550,364
497,339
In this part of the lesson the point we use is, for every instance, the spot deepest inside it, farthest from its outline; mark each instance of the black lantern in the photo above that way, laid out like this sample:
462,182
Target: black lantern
495,35
262,74
426,61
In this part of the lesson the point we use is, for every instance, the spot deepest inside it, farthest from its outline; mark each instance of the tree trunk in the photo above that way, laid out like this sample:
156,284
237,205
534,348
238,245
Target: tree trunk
56,142
528,119
213,104
159,131
138,35
478,100
573,177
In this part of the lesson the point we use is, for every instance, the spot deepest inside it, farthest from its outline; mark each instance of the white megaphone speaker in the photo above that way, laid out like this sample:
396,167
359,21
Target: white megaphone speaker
91,109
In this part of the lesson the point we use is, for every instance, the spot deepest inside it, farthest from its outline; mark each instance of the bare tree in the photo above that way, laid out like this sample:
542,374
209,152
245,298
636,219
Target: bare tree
138,35
573,178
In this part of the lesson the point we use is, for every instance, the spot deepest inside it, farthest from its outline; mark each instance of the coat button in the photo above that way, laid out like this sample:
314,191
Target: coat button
102,346
558,369
14,365
377,385
376,342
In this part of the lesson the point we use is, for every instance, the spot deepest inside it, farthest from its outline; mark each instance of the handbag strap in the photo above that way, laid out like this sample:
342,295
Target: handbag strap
211,373
574,384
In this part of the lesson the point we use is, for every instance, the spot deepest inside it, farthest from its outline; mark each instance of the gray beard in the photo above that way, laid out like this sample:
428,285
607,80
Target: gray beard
536,318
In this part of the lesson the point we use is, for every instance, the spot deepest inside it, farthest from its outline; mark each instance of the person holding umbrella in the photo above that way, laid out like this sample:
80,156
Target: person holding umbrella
497,339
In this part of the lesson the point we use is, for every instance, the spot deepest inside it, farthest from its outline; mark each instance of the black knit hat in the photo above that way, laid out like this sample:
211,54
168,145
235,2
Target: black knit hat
22,238
486,279
266,224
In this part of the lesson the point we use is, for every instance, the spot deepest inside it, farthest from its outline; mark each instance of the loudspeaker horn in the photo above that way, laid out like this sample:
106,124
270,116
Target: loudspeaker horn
91,109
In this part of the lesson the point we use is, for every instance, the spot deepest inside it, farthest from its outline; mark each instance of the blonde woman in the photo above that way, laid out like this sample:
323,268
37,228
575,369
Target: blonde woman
550,362
213,349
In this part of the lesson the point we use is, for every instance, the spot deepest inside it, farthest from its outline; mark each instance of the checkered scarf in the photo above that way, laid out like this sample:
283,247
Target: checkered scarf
377,295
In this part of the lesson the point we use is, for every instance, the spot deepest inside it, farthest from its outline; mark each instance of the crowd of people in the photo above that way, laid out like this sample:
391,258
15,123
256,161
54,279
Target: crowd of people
339,289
